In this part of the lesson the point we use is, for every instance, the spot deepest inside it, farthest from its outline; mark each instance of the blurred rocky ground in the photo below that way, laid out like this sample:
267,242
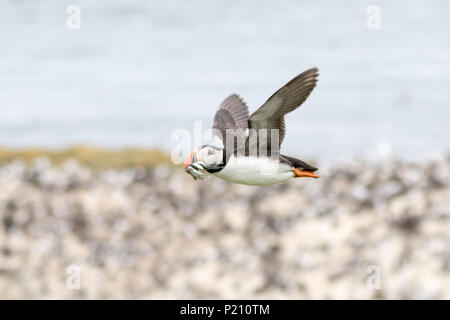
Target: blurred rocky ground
154,233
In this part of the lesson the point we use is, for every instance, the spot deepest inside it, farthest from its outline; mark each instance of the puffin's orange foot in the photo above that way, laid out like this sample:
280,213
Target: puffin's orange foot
302,173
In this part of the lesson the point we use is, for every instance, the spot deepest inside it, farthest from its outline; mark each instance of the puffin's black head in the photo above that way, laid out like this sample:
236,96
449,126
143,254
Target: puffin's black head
206,159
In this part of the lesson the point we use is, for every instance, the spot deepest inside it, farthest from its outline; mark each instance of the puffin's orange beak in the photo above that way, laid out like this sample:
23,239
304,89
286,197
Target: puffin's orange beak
189,160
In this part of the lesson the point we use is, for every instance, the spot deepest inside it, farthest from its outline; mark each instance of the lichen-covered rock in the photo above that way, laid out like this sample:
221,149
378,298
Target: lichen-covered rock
366,229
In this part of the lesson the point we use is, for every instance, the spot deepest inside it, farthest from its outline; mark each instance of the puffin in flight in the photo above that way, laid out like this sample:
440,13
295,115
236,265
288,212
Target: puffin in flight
249,152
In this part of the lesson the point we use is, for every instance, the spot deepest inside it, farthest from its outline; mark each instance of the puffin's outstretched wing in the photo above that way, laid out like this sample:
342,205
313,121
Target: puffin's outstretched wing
271,114
232,114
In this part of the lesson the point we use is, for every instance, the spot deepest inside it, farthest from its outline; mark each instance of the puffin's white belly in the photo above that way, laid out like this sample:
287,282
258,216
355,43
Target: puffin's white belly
255,171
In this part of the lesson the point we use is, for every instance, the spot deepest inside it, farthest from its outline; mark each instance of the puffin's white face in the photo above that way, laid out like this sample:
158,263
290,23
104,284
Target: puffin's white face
209,156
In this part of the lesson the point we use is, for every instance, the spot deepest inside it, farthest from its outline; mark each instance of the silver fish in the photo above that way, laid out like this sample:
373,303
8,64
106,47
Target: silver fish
196,171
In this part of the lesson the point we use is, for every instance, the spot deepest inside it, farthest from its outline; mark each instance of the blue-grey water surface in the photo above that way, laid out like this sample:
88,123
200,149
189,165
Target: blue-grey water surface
137,70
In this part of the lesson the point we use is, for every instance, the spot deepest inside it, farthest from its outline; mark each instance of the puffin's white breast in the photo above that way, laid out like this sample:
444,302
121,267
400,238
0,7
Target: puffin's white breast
255,171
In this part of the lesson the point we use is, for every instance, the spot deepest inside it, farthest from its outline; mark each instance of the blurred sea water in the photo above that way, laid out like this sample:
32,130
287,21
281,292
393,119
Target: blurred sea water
138,70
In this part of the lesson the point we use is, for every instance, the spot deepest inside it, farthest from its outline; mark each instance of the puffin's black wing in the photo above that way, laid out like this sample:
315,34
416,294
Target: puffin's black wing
232,114
271,114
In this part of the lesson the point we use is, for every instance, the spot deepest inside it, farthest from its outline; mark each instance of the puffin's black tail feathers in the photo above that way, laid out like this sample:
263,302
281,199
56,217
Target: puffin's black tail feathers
297,164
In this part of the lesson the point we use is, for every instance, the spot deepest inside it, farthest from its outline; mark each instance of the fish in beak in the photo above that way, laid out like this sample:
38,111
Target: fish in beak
194,167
